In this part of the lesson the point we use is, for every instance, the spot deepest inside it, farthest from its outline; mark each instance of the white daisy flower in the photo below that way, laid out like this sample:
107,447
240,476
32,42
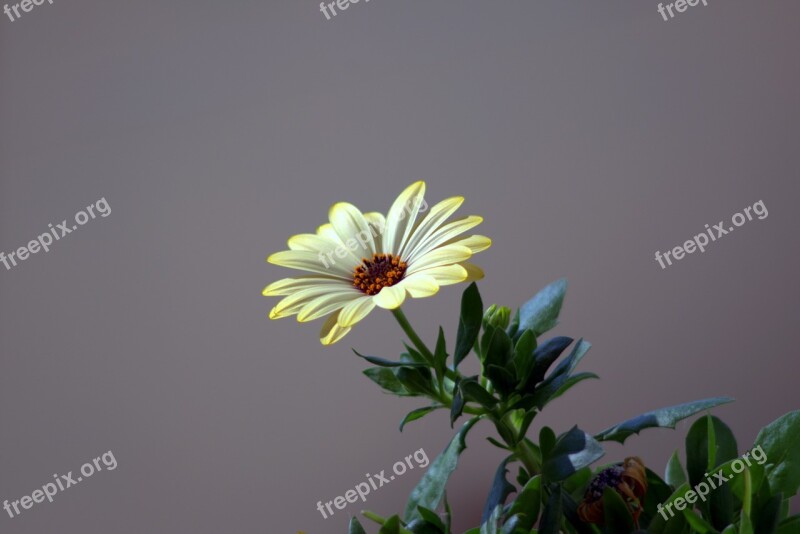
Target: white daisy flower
362,260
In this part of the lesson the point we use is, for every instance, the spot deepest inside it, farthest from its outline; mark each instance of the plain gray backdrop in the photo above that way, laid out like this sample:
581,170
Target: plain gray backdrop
588,134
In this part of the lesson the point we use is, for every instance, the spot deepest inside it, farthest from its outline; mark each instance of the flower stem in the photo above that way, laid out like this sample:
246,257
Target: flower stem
412,335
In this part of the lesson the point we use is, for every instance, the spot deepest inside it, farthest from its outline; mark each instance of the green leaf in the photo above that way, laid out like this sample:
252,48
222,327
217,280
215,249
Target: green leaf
500,490
696,522
524,356
663,418
790,525
780,441
472,391
546,393
709,444
492,523
502,379
570,510
675,475
469,323
553,513
416,379
767,516
617,516
513,328
380,362
457,406
547,441
391,526
540,314
528,503
429,491
432,518
498,351
544,356
387,380
412,355
568,364
440,355
657,492
573,450
745,525
355,527
419,413
448,515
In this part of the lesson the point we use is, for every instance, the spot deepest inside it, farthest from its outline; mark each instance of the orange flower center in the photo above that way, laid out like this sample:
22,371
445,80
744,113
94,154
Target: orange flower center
383,270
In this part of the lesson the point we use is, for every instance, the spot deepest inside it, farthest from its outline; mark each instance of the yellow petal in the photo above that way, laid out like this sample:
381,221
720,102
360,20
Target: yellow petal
287,286
445,275
401,217
355,310
293,303
474,273
331,331
441,256
443,234
430,223
325,304
311,243
353,229
390,297
420,285
476,243
377,224
313,262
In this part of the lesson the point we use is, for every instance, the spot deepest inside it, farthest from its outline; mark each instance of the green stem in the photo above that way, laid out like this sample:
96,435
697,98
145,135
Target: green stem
528,457
412,335
748,497
428,355
418,343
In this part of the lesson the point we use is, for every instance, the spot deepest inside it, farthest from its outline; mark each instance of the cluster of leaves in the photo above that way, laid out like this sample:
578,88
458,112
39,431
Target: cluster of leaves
756,495
519,376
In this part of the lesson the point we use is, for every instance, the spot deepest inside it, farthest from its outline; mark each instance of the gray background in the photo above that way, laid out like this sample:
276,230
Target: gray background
588,134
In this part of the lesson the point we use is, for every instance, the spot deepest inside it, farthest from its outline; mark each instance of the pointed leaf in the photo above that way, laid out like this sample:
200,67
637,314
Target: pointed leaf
419,413
675,475
540,314
617,516
500,490
355,527
387,380
663,418
469,324
780,441
429,491
573,450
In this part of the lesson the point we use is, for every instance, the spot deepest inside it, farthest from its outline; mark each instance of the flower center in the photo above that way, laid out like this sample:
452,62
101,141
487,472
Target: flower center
383,270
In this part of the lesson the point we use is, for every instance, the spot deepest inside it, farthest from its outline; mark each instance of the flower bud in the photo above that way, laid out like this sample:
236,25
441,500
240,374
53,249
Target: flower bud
497,316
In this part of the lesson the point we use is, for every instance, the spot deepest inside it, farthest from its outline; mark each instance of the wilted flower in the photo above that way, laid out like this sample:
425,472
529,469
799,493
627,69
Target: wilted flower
628,478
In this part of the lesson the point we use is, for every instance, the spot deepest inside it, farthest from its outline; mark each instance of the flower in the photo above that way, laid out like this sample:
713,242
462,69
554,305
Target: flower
629,479
378,261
